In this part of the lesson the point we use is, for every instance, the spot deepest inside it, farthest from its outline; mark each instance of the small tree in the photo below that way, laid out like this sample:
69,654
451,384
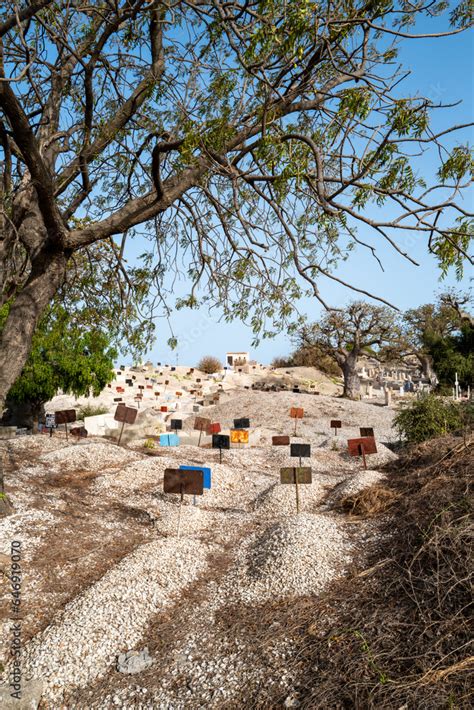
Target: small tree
209,364
65,356
347,334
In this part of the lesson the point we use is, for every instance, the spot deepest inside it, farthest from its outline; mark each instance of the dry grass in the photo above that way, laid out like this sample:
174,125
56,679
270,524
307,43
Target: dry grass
397,634
371,501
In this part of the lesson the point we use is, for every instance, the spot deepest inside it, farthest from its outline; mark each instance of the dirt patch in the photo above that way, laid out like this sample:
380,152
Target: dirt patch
85,540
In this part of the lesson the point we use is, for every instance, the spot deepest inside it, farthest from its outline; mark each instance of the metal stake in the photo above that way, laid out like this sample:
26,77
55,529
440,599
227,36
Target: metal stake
66,430
179,513
297,491
121,432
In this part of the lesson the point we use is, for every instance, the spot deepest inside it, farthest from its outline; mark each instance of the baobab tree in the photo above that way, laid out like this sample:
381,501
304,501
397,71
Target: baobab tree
244,142
345,335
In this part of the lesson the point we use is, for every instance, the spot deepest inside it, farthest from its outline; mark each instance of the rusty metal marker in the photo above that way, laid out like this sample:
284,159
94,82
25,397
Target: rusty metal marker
362,447
201,424
213,428
190,482
296,413
184,482
336,424
65,416
241,423
366,431
296,475
126,415
280,440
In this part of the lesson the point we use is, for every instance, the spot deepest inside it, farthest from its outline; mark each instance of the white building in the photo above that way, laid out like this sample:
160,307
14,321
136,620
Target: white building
237,359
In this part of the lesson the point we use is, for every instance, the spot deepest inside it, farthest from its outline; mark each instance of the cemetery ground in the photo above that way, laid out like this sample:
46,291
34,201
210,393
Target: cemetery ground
252,605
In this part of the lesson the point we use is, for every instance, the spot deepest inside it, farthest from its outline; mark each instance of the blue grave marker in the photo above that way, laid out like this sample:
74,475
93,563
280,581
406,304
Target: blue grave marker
169,440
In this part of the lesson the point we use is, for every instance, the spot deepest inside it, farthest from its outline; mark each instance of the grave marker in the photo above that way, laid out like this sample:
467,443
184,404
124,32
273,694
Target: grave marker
366,431
126,415
50,423
239,436
280,440
65,416
220,441
176,424
296,413
300,450
201,424
362,447
336,424
183,482
241,423
169,440
296,475
206,480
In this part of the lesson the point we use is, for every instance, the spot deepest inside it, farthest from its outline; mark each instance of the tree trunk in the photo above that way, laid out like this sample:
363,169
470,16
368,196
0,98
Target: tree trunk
426,362
47,274
351,378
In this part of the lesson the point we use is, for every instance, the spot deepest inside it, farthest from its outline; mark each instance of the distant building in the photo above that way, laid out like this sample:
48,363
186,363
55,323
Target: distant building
237,359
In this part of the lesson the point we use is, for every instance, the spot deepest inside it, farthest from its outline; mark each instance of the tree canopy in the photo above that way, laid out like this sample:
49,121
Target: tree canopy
248,145
359,329
441,336
64,356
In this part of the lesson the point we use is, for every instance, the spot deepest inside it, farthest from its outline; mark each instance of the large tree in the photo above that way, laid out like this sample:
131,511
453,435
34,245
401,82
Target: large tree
345,335
440,335
243,141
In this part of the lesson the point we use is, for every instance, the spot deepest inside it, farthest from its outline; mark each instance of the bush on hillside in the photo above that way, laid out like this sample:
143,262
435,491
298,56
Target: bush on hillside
281,361
429,417
91,410
310,356
209,365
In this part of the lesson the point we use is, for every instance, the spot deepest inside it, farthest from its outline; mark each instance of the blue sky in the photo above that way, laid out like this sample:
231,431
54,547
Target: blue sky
442,70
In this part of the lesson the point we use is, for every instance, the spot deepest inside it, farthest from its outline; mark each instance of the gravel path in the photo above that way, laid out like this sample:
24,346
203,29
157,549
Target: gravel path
111,616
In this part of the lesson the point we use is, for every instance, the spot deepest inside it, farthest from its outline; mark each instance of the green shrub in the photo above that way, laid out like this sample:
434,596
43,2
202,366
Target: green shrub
209,365
91,410
428,417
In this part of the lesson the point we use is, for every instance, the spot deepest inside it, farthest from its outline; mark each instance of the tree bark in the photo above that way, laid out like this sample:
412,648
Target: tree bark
351,378
47,273
426,362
